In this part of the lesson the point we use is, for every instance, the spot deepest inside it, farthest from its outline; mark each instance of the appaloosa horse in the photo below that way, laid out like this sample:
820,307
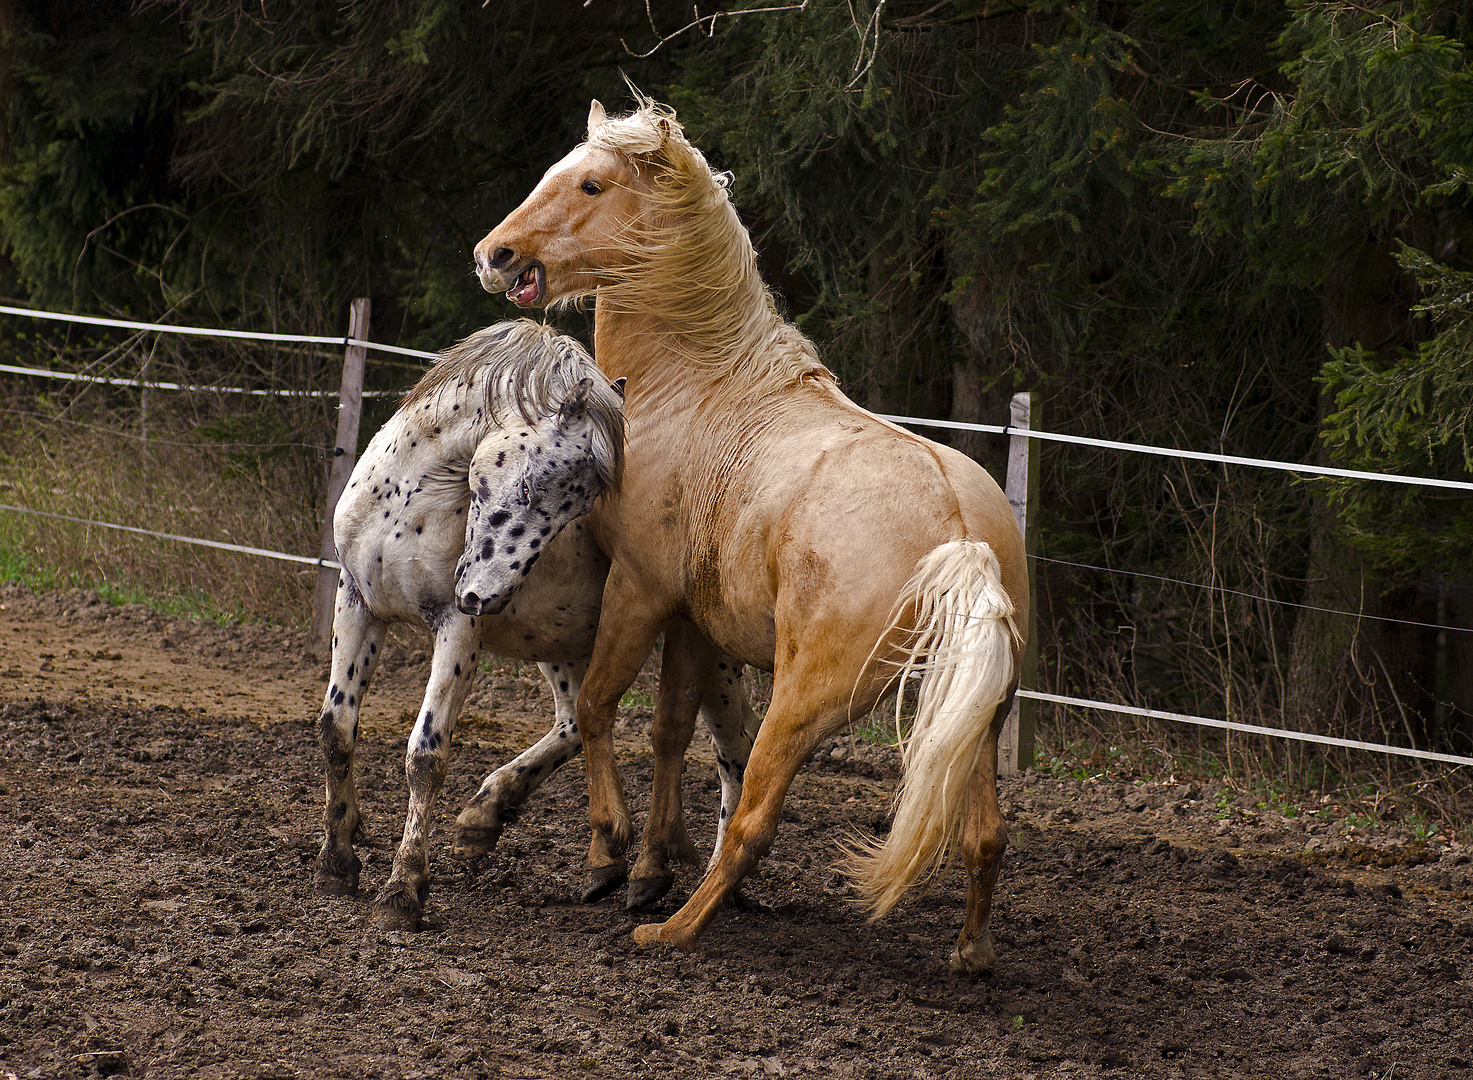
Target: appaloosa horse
797,531
515,414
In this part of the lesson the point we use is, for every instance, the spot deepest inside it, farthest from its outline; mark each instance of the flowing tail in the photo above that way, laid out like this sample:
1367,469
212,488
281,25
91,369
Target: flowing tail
964,638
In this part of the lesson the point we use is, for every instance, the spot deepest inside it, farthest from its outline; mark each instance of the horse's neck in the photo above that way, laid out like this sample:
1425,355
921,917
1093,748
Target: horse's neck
630,346
458,418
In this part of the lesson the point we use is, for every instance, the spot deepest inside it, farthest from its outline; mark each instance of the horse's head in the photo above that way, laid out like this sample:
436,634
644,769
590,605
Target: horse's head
571,231
527,482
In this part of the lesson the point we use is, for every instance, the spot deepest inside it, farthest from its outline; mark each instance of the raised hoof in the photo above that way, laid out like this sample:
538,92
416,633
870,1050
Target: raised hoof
337,879
651,934
601,881
473,841
396,907
976,958
644,891
648,934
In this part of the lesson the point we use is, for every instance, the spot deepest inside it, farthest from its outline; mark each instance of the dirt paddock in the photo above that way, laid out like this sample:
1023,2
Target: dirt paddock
161,782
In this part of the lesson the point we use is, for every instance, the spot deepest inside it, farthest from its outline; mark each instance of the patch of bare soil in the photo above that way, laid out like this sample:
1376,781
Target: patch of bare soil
161,781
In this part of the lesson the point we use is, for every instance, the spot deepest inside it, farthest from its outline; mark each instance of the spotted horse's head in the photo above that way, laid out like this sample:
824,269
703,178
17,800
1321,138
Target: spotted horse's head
527,483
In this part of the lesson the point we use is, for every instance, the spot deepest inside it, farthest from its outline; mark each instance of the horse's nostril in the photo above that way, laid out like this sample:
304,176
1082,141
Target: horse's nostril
502,258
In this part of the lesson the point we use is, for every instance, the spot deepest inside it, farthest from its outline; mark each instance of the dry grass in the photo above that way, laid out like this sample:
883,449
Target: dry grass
241,472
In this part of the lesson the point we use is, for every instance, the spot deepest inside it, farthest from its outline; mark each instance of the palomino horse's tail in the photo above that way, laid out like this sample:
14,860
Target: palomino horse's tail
963,643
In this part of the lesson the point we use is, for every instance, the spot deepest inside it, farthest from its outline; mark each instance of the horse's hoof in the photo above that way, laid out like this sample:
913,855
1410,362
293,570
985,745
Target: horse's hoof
396,907
648,934
600,881
644,891
975,958
473,841
336,877
651,934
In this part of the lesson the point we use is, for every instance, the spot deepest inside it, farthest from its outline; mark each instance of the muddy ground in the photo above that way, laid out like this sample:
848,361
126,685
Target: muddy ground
160,780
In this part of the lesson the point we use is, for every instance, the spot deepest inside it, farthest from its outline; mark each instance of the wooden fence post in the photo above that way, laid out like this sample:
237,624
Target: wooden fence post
1015,747
345,450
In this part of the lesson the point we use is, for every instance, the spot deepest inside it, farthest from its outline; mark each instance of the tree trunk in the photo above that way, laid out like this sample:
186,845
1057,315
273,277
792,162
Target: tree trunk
974,313
1337,679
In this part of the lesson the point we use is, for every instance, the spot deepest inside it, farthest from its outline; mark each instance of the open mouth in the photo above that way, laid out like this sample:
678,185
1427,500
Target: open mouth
529,287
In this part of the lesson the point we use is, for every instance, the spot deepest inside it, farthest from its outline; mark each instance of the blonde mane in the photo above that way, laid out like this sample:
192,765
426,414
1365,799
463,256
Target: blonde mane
696,270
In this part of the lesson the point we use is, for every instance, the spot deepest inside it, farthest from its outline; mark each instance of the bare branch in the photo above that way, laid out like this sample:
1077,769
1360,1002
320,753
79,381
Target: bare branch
701,23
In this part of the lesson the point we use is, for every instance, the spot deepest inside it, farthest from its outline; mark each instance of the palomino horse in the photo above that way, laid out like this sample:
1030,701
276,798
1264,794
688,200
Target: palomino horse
515,414
797,531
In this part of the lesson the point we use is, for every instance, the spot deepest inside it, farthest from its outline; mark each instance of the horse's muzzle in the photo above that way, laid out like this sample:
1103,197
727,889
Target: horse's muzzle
498,268
471,604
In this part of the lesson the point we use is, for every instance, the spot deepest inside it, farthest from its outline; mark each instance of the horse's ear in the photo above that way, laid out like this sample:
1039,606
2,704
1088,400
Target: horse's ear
575,405
617,386
596,116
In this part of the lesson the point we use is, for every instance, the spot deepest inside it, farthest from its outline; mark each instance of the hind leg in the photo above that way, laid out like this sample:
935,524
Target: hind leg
357,638
812,698
732,725
400,903
684,669
480,823
984,841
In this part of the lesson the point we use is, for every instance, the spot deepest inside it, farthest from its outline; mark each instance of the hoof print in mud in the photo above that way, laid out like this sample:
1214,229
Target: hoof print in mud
602,881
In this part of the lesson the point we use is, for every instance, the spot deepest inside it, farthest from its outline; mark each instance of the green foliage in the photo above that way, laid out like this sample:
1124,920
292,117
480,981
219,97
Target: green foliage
261,166
1411,413
87,211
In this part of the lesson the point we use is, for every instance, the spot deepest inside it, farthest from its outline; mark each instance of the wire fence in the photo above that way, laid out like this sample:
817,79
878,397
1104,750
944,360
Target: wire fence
1297,468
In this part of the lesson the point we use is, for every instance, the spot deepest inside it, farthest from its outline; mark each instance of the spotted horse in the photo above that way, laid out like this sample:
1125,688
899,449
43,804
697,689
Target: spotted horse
519,415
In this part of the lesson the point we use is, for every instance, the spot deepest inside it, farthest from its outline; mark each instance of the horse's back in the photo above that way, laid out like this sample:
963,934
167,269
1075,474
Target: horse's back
867,470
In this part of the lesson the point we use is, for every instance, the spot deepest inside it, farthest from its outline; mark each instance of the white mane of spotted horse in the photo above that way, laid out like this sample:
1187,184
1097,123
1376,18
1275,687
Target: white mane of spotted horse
515,413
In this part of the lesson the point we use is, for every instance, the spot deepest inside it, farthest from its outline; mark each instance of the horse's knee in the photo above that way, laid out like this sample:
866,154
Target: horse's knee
984,840
337,737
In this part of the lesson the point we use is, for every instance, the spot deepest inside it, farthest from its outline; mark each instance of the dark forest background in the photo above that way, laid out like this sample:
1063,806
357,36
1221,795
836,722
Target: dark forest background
1235,227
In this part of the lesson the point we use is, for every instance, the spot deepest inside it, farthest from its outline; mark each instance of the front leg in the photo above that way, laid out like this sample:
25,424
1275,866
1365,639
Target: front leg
684,669
400,903
480,823
357,640
629,622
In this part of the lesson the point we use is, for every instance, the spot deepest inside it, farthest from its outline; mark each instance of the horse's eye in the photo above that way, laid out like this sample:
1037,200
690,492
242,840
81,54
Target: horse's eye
590,187
526,493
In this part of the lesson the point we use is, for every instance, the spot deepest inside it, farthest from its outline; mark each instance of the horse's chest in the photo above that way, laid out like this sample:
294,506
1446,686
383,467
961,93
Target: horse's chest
399,548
